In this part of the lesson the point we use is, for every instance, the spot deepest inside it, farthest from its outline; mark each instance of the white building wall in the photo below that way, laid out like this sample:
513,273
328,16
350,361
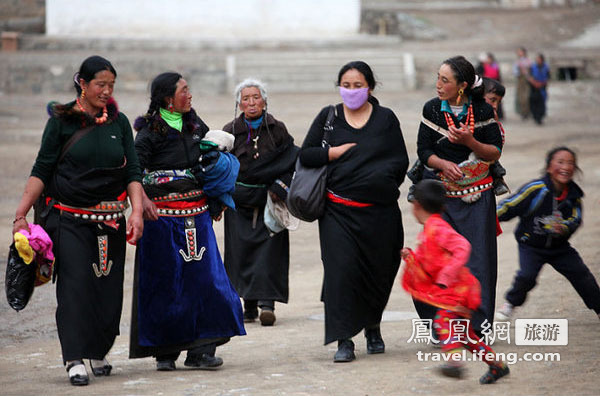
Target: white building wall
203,19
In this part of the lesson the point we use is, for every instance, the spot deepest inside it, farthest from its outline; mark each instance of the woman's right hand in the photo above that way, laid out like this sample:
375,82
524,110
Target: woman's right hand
451,170
337,151
150,210
20,224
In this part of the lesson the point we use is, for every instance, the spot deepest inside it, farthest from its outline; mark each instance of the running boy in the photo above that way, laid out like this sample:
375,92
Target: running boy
549,209
436,274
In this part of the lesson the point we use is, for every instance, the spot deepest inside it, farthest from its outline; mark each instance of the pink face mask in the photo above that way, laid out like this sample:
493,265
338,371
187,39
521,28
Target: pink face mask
354,98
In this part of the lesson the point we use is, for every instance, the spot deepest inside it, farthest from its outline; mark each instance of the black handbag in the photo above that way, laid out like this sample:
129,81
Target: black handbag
306,198
20,279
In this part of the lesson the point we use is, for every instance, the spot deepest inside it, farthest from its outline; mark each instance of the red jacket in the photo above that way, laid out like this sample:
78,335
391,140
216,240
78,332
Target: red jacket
440,261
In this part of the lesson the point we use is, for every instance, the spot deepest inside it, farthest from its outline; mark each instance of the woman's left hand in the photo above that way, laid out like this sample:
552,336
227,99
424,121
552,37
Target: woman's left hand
460,135
135,228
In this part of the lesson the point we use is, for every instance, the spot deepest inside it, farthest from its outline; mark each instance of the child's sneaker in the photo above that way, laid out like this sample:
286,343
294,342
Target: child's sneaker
494,374
505,311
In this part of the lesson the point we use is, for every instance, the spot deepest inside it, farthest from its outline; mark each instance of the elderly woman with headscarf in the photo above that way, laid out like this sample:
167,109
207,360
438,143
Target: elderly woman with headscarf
256,259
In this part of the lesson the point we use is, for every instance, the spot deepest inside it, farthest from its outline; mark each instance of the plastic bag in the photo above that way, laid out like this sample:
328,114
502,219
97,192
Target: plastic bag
20,279
278,218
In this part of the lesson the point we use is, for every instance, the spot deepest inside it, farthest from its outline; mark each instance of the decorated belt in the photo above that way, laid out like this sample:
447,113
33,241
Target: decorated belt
181,208
333,197
475,188
178,196
104,211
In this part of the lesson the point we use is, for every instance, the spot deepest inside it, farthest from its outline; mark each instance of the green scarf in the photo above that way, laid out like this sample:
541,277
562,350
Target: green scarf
174,119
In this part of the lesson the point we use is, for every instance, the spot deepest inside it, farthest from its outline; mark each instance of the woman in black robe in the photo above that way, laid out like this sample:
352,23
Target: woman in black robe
86,168
361,231
458,139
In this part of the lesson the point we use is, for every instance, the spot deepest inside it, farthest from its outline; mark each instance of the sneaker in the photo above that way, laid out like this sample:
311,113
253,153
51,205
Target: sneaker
267,317
203,361
494,374
505,311
345,352
165,365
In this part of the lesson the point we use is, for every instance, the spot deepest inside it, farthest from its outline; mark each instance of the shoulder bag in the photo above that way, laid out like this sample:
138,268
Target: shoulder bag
306,198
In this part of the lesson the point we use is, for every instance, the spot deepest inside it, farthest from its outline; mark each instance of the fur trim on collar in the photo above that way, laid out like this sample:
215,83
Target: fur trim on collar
67,112
155,123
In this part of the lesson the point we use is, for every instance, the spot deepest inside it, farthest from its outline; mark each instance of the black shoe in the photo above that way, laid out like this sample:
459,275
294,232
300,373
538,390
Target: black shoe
494,374
77,379
250,316
500,187
203,361
452,371
345,352
103,370
267,316
375,343
410,197
165,365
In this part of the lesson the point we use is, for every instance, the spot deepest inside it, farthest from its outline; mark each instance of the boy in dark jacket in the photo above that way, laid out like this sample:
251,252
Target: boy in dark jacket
550,212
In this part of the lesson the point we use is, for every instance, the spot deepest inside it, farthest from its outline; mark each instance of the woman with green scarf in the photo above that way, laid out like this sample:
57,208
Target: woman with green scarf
182,298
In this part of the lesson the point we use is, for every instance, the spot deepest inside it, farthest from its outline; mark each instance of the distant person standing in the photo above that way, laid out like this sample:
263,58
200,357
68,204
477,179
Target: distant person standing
521,71
538,80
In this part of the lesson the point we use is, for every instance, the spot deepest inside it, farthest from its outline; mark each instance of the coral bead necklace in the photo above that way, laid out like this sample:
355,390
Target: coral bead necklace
470,121
99,120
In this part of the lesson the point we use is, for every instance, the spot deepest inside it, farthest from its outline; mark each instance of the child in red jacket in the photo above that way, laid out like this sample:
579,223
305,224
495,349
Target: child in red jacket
436,274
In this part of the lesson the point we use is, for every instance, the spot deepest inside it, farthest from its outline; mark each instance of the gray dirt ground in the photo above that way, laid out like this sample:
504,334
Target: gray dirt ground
290,359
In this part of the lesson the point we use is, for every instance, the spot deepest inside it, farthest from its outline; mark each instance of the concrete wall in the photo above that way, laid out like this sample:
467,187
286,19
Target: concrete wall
206,19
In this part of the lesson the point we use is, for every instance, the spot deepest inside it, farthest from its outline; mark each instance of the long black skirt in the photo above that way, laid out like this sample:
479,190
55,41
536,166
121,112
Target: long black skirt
256,262
477,223
89,294
360,249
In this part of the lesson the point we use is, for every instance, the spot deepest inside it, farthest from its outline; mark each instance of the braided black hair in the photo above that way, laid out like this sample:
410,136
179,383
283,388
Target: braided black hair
163,86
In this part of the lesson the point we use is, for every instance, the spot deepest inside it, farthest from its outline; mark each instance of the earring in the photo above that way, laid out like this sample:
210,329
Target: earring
170,107
82,93
460,94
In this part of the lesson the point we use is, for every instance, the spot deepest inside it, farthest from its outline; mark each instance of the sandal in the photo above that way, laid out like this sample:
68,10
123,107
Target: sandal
77,374
102,367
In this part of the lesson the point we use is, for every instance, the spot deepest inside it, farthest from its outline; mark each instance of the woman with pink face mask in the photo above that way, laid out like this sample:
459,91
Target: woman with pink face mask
361,230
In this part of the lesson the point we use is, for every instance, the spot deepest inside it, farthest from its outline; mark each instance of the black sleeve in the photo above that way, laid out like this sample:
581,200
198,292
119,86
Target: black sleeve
133,166
143,147
312,154
427,137
49,151
402,153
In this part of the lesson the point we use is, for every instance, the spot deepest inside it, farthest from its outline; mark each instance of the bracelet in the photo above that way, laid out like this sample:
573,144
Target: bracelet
19,218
